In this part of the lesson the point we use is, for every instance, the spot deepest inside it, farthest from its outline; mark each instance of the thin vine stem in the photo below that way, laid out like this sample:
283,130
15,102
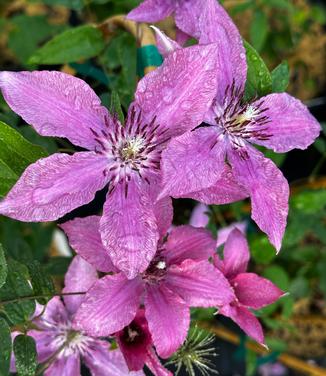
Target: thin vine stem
31,297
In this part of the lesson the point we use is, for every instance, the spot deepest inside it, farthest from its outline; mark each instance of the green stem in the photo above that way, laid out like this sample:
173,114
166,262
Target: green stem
318,166
31,297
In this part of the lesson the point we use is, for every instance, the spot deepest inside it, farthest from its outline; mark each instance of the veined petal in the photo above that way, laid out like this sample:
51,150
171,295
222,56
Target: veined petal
152,11
84,237
46,344
254,291
53,186
181,90
224,232
55,104
236,255
290,126
128,228
187,16
79,278
168,319
246,320
163,211
216,26
187,242
102,361
199,216
154,364
65,366
199,284
109,305
55,313
269,191
192,162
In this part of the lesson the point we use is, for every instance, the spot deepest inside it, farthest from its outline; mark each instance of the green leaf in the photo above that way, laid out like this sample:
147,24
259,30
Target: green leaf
281,77
17,286
16,153
5,347
259,29
81,42
259,79
251,362
277,275
261,250
310,202
25,355
41,282
115,106
71,4
3,267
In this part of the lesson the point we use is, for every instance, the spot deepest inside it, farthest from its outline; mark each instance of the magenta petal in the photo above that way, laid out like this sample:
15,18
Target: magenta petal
199,216
290,126
109,305
192,162
55,104
224,232
181,90
154,364
187,242
254,291
46,344
246,320
163,211
199,284
216,26
128,228
152,11
79,278
168,319
269,192
102,361
236,255
225,190
55,313
65,366
84,237
187,16
53,186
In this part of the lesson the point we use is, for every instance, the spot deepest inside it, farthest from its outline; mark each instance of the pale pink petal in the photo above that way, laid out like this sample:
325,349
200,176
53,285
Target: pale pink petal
254,291
199,216
192,162
84,237
109,305
46,344
187,242
152,10
224,232
128,228
216,26
225,191
55,104
246,320
269,191
102,361
55,313
200,284
53,186
290,125
168,319
165,45
236,255
154,364
65,366
79,278
181,90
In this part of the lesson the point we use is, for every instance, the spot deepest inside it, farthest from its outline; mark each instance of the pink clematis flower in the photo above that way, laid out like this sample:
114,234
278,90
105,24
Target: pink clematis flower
251,291
136,345
59,346
199,216
168,101
194,165
178,277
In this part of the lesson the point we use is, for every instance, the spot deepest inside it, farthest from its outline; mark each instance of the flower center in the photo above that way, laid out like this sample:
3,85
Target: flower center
131,148
156,270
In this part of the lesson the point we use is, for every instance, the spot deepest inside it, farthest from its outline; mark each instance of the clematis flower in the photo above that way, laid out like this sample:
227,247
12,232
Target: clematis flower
126,158
251,291
199,216
216,162
59,346
136,345
178,277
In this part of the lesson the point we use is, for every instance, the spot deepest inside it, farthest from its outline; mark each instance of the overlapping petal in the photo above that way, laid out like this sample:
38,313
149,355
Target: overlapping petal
187,242
64,366
128,228
79,278
224,232
199,216
55,104
181,90
54,313
84,237
46,344
254,291
199,284
109,305
269,191
154,364
168,319
53,186
152,10
290,125
187,16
